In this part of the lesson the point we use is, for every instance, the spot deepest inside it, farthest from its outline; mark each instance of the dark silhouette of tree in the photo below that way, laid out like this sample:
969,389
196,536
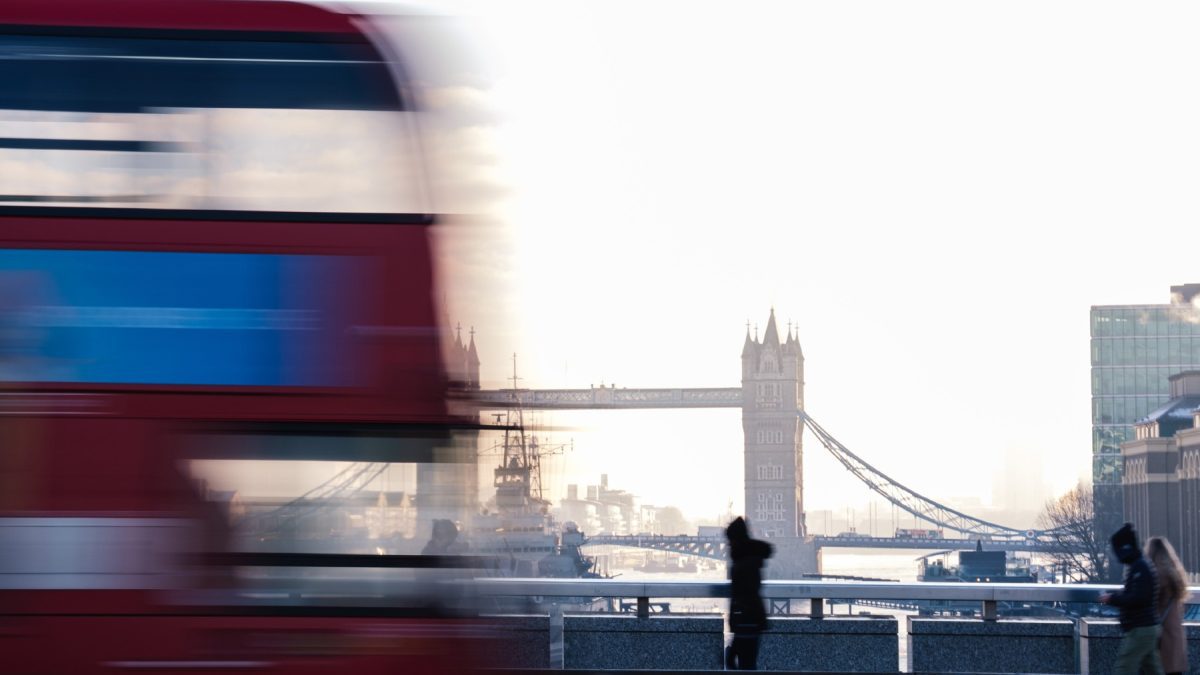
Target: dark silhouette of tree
1081,554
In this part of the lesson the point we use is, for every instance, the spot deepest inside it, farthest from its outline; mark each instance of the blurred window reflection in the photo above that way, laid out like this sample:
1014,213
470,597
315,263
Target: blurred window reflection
222,124
308,506
364,508
124,317
322,488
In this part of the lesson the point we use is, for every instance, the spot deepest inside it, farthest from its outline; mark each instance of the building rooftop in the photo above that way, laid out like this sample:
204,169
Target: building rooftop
1174,416
1184,294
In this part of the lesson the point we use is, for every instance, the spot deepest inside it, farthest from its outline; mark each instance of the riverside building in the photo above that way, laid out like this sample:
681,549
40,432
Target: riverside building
1161,482
1135,349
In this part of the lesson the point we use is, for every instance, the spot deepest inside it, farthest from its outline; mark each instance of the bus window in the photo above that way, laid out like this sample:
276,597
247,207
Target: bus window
272,493
207,124
337,488
126,317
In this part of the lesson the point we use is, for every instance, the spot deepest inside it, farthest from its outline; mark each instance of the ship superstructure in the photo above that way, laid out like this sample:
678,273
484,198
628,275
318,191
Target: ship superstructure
978,566
520,526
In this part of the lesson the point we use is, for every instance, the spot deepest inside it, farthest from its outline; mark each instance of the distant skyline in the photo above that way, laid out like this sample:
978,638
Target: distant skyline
935,192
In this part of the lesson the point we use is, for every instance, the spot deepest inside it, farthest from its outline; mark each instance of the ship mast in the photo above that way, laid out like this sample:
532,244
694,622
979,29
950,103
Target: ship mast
518,479
521,468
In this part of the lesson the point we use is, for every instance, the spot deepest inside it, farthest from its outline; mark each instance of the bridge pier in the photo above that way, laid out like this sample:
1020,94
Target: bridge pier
794,557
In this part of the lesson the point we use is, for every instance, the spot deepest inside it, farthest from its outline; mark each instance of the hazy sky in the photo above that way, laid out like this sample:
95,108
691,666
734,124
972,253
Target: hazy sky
935,192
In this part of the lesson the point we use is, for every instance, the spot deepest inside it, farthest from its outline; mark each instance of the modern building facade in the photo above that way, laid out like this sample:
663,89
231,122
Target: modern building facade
1161,482
773,391
1135,349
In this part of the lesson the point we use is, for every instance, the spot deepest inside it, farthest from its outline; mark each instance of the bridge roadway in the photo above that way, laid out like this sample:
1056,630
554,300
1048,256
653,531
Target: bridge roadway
714,547
938,544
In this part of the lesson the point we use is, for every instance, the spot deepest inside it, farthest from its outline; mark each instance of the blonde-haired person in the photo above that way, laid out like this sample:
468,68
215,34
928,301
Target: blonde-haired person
1172,593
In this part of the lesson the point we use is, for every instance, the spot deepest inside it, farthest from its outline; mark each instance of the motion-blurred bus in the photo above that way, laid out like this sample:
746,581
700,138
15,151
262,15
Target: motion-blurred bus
220,368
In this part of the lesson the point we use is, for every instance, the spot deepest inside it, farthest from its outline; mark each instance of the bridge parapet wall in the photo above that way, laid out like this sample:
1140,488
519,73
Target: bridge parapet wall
605,642
516,641
1006,646
987,645
1099,639
841,644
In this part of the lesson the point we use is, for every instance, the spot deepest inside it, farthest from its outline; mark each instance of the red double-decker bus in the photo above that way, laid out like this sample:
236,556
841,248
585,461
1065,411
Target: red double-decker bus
216,287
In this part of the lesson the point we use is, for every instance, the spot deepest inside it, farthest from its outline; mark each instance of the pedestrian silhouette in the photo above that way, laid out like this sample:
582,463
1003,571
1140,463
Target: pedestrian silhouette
747,615
1172,593
1139,618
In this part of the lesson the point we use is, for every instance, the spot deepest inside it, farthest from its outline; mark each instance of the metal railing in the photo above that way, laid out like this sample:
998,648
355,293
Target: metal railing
987,594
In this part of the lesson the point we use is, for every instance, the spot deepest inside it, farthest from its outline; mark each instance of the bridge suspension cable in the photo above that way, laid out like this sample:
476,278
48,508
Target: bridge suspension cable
912,502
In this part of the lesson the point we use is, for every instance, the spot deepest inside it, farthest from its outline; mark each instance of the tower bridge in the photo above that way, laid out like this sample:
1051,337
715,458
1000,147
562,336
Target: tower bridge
771,397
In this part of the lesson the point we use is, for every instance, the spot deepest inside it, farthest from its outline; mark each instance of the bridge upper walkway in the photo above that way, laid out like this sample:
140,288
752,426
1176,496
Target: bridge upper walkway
600,398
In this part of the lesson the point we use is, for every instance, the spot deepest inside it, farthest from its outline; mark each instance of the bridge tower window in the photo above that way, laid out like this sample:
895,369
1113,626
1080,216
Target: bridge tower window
770,472
769,437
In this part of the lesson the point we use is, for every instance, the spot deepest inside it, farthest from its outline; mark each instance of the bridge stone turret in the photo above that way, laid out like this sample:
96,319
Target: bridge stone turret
772,399
449,488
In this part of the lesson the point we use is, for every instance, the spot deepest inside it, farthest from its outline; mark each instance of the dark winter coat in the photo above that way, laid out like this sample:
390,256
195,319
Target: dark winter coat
747,614
1138,598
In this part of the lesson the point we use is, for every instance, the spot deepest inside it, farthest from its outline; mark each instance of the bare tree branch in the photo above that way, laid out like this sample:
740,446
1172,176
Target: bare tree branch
1080,554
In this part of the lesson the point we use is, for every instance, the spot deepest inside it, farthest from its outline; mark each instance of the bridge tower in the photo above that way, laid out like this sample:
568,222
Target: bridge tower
772,394
449,488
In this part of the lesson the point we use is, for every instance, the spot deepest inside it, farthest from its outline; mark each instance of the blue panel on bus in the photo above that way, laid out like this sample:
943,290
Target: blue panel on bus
133,317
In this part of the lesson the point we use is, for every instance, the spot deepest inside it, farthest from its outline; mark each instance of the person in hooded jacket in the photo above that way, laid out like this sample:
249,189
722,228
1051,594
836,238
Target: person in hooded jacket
1137,603
747,614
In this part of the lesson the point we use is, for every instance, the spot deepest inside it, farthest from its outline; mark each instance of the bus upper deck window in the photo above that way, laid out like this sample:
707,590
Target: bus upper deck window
302,124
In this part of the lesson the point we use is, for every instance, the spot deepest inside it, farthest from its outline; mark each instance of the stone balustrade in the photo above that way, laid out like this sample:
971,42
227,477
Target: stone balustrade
816,642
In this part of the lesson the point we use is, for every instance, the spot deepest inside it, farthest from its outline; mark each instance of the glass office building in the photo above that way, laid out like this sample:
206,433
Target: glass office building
1135,348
